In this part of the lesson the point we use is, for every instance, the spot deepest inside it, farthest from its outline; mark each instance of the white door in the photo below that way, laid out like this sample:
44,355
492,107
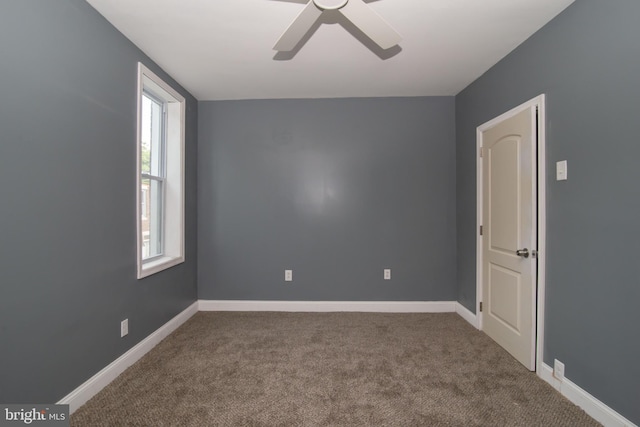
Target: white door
509,234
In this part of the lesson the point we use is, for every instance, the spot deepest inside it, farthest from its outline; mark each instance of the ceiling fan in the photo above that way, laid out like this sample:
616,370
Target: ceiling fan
356,11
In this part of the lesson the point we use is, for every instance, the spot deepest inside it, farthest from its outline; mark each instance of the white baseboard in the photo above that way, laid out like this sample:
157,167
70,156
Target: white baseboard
467,315
331,306
93,385
592,406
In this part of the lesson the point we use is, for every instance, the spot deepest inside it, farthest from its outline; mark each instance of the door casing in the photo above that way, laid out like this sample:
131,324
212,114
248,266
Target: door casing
539,103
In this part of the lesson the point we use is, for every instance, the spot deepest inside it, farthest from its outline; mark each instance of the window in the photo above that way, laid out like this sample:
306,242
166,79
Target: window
160,174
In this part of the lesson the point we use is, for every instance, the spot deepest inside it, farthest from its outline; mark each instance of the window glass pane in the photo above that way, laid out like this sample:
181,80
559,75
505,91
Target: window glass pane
145,135
151,217
151,136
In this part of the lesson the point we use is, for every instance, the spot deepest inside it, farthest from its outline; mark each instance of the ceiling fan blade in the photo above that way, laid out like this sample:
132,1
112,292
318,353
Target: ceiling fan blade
298,28
370,23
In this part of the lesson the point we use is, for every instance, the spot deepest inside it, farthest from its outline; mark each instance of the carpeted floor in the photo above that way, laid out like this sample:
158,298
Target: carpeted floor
328,369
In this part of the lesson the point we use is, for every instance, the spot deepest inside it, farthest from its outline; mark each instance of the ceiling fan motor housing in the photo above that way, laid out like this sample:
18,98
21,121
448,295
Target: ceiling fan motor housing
330,4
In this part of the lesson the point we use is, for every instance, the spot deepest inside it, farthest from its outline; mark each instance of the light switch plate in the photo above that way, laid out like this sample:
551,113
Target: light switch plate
561,170
288,275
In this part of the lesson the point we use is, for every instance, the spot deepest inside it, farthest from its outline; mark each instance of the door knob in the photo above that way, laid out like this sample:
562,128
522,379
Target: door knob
523,253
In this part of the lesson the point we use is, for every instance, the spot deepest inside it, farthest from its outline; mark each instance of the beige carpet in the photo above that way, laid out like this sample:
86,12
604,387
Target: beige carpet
328,369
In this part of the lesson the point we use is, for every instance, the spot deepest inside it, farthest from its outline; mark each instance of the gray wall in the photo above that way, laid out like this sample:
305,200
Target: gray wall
335,189
67,201
587,61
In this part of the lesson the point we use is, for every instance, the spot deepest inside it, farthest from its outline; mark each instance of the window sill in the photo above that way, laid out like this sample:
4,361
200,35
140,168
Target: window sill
158,265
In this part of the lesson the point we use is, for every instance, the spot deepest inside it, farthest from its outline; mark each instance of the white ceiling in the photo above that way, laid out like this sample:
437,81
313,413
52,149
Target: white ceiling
222,49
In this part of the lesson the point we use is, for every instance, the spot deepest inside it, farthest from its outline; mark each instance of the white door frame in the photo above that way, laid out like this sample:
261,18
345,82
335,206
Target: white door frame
538,102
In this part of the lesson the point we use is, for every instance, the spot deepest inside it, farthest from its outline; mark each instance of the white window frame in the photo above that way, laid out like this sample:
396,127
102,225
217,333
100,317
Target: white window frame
173,208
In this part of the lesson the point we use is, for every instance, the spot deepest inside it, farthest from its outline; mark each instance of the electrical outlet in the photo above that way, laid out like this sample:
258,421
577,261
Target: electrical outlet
387,274
288,275
124,328
558,369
